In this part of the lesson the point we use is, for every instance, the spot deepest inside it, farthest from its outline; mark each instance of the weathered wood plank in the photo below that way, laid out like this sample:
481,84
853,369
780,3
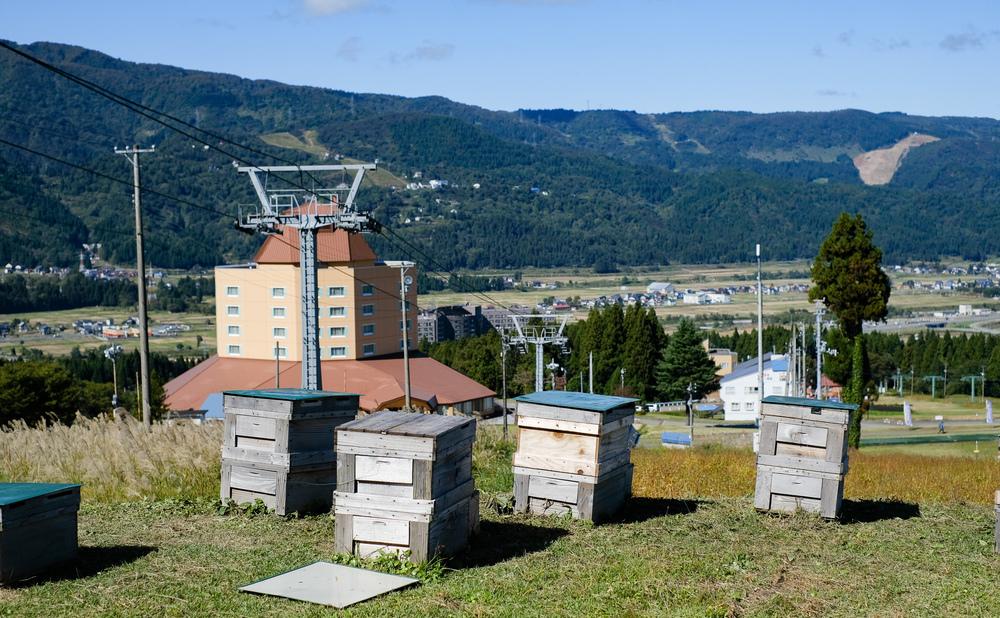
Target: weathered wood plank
251,479
834,417
521,482
422,448
255,427
800,463
343,541
796,450
536,422
794,433
381,530
345,472
383,469
553,489
797,485
386,489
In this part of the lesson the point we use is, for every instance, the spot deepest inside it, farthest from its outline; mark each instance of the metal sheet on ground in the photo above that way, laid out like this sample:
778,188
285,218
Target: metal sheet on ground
329,584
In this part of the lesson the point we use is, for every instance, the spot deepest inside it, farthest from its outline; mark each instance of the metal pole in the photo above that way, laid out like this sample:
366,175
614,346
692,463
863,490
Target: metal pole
132,154
406,344
539,357
277,368
802,361
591,367
312,373
114,376
819,351
503,372
581,381
623,379
760,333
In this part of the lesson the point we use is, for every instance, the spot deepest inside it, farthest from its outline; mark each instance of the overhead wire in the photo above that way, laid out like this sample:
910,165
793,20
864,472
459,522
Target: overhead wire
151,113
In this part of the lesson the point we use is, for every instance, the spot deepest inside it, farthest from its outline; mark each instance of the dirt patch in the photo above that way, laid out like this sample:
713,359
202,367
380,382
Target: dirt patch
877,167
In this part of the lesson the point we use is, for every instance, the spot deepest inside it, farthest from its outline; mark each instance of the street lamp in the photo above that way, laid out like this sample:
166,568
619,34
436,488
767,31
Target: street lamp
405,281
111,353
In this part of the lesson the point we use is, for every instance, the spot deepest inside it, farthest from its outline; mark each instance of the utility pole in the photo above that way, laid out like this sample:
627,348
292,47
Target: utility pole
503,373
972,384
819,349
132,155
760,334
793,365
293,208
405,281
277,367
623,379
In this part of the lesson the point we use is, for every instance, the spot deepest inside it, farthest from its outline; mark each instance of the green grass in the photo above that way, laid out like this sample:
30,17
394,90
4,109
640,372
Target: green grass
690,544
666,557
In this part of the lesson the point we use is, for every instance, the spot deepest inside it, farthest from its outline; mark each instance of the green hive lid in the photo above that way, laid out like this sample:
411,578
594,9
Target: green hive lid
11,493
579,401
810,403
290,394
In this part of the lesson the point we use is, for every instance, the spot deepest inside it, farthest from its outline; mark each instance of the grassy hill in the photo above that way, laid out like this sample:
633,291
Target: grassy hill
556,188
915,539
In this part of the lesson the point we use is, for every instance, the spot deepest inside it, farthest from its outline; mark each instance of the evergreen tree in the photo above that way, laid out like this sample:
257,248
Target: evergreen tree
855,392
608,357
641,351
685,362
848,275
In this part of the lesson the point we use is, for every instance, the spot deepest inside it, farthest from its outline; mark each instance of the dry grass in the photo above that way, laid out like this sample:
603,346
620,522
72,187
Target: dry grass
116,461
719,472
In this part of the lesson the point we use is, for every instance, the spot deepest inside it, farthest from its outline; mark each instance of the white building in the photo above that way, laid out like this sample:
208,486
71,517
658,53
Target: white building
660,287
739,389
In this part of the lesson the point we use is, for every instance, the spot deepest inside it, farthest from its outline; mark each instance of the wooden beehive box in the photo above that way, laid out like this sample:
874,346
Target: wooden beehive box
37,527
802,458
573,454
404,482
278,446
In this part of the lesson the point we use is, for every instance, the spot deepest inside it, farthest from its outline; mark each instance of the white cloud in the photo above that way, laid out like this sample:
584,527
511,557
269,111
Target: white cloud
333,7
350,49
970,39
426,51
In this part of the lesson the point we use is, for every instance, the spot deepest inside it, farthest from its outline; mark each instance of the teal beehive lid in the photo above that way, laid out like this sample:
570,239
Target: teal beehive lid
809,403
579,401
12,493
289,394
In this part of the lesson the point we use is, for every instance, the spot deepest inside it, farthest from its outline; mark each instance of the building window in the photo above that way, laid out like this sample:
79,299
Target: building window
407,325
232,290
749,406
736,406
277,292
277,312
730,390
232,310
234,331
338,291
234,350
338,331
750,390
369,349
368,290
408,343
407,304
282,352
338,352
338,312
368,329
367,309
279,332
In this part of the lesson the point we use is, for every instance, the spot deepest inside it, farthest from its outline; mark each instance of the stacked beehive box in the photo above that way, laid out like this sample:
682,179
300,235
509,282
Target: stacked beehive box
279,447
404,482
37,527
572,454
802,459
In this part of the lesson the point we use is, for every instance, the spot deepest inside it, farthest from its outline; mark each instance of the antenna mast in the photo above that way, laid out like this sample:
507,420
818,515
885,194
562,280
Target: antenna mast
301,209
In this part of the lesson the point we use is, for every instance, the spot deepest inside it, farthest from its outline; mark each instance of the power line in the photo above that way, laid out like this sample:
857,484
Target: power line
151,113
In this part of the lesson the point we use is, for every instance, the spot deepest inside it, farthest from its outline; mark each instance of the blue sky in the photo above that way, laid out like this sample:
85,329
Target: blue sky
934,58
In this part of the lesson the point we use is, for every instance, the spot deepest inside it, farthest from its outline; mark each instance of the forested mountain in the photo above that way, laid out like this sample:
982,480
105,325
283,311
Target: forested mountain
531,187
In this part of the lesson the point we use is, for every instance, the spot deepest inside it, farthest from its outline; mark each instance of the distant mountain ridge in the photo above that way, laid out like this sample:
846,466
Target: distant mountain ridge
526,188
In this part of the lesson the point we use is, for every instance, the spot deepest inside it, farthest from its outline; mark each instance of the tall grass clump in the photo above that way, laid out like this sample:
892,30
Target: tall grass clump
116,460
491,460
712,472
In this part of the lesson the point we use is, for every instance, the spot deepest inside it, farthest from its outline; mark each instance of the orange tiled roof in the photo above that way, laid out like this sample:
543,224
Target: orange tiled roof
378,381
332,246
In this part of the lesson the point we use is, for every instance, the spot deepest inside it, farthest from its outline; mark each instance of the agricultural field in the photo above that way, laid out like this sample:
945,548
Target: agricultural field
586,284
200,325
915,539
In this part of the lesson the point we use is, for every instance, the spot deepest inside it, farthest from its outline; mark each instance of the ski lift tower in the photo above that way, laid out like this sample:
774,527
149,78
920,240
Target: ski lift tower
546,330
307,210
